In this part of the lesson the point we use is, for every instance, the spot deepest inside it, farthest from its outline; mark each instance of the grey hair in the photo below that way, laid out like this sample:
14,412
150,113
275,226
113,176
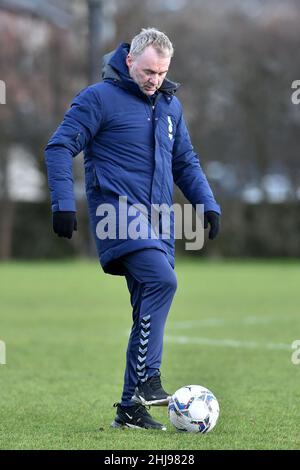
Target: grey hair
151,37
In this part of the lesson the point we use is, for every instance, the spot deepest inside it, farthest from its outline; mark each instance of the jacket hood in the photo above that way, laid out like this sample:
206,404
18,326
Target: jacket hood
114,68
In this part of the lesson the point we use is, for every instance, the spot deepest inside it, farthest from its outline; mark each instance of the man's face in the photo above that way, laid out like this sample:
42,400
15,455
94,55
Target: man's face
148,69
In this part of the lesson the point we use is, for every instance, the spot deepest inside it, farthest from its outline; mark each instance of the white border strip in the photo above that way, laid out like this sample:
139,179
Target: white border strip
227,343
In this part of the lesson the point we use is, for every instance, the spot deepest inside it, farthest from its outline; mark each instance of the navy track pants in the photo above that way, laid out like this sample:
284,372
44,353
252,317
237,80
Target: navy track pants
152,283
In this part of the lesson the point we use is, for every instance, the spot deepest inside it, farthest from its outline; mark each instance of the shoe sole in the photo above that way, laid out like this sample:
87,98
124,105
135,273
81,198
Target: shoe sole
140,399
117,425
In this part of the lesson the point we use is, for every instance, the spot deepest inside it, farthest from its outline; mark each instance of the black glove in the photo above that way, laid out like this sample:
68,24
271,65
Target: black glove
213,219
64,223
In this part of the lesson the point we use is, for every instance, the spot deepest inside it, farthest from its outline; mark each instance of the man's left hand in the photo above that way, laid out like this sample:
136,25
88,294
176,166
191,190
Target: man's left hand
213,219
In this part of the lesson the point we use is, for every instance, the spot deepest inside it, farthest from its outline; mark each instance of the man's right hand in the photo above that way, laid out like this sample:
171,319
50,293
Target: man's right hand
64,223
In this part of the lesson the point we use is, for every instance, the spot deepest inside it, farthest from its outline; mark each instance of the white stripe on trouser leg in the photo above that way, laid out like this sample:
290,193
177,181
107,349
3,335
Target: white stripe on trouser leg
143,349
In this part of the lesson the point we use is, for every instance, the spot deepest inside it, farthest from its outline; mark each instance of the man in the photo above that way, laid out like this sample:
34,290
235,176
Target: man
135,144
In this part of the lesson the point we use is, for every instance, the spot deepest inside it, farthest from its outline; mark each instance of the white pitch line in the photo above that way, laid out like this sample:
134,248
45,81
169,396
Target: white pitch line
186,325
215,322
230,343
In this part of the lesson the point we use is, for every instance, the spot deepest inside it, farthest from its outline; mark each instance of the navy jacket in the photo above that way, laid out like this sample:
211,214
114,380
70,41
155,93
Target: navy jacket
130,149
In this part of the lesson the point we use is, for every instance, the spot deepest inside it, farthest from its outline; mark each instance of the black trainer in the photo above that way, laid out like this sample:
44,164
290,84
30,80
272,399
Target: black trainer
151,393
135,416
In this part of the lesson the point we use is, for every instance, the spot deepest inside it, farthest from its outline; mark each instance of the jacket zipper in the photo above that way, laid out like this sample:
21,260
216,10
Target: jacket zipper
95,179
154,122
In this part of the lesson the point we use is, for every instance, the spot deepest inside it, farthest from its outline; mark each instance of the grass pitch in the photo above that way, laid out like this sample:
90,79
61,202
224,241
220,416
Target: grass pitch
230,329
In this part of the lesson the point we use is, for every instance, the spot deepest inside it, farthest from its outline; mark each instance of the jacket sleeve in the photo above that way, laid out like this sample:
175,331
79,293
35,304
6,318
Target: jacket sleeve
80,124
187,172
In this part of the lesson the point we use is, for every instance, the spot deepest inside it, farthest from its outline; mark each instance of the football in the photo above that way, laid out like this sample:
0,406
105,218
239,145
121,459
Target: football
193,408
